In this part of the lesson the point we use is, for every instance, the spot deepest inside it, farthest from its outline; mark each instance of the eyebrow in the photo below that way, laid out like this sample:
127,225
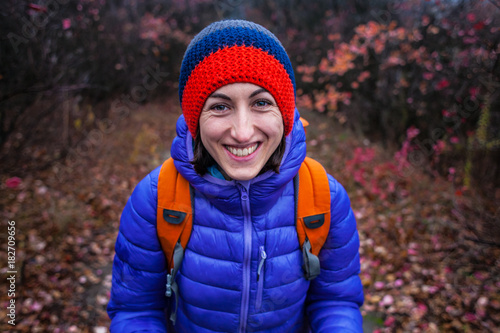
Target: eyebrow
258,91
219,95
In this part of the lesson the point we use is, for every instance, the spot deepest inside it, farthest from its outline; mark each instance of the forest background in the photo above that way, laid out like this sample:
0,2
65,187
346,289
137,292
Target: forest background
403,99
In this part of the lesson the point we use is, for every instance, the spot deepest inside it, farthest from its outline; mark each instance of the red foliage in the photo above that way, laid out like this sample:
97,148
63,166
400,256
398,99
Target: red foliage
442,84
37,8
479,25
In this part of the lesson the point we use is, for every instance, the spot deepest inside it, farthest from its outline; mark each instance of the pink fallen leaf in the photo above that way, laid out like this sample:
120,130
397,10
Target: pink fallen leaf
13,182
481,276
387,300
470,316
422,307
36,306
412,252
66,23
482,301
389,321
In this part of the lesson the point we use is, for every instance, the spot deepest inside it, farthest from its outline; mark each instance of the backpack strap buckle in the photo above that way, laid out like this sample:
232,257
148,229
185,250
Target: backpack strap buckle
168,291
315,221
171,287
311,262
173,216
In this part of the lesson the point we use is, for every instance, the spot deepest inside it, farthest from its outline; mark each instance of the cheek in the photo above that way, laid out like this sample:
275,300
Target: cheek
206,127
211,132
273,126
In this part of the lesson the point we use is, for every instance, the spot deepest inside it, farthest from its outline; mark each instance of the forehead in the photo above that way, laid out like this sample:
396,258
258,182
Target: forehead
242,89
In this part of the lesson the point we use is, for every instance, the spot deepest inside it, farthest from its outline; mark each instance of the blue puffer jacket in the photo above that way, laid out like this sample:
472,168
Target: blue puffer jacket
234,224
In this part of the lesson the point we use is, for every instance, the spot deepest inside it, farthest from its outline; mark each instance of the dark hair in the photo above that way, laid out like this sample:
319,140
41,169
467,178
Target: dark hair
202,159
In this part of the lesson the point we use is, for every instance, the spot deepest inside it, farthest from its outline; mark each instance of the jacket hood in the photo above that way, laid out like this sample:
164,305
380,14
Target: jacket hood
262,188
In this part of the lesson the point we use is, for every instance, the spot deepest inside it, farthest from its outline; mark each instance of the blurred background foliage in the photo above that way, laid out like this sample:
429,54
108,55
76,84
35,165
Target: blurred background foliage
421,77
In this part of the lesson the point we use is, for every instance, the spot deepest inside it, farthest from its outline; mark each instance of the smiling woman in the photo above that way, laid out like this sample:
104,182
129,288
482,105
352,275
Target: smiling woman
241,127
239,231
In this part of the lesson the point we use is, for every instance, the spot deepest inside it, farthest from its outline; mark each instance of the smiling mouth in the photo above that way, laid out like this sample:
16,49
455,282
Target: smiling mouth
242,152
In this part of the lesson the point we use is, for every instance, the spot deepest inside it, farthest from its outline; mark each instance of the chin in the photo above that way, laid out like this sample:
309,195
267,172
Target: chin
243,176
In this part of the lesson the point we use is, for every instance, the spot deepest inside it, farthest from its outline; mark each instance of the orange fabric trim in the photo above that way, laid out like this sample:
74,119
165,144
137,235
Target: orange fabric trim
304,122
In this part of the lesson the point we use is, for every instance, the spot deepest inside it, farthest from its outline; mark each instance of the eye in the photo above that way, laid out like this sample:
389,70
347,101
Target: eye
263,104
219,108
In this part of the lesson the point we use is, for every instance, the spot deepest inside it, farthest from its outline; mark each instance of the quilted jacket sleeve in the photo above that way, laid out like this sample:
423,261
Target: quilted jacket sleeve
335,296
137,302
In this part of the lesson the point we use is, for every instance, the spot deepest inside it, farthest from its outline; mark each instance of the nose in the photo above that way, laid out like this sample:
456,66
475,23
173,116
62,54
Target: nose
243,125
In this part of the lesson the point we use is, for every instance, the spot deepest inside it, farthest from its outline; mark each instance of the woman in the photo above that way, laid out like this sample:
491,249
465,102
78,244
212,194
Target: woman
239,145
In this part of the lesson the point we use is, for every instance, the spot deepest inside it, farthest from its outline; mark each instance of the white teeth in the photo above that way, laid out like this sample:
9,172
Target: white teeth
242,152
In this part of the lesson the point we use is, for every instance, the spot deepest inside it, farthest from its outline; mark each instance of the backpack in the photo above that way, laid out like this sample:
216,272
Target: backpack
175,212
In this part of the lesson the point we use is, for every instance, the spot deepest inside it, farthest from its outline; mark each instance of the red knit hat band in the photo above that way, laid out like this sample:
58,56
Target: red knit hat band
238,64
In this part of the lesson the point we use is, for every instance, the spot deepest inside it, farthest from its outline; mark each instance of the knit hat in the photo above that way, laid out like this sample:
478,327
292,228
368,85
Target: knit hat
231,51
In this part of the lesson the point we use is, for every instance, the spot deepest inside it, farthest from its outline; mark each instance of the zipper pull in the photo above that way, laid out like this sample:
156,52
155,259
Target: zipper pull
263,256
260,282
244,195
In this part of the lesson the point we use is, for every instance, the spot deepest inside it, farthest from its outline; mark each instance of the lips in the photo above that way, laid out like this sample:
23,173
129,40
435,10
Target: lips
242,152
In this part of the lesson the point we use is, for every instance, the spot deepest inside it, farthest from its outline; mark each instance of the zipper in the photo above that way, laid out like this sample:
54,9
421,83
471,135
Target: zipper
247,256
260,277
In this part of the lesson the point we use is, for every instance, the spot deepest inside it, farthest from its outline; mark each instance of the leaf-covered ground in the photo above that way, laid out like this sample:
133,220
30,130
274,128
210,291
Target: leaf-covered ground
423,266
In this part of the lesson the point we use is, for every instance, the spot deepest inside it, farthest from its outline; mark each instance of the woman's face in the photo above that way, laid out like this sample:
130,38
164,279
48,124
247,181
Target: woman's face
241,126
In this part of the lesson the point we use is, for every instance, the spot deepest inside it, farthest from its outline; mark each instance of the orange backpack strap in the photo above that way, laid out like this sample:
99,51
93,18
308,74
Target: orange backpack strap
312,213
174,221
